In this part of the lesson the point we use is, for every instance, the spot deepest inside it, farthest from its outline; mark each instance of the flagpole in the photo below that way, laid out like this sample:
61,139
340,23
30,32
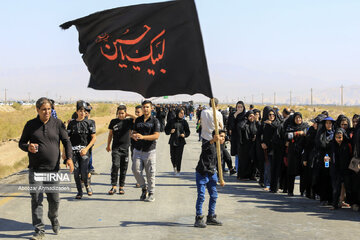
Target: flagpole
221,179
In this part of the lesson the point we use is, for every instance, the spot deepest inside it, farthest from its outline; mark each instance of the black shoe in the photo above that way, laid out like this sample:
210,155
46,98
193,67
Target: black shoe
78,196
290,194
211,220
199,222
55,226
273,191
143,194
38,235
232,171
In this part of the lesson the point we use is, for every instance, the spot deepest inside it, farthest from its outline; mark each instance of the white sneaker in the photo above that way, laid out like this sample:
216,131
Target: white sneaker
175,171
177,174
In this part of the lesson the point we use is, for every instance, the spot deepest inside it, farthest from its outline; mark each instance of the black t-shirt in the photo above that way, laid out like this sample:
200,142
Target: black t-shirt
80,132
207,161
149,127
121,133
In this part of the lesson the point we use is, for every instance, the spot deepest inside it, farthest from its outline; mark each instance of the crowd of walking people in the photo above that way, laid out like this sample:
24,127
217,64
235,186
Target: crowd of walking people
275,147
268,146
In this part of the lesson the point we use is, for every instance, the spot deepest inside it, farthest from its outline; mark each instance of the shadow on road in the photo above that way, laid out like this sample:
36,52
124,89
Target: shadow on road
163,224
252,193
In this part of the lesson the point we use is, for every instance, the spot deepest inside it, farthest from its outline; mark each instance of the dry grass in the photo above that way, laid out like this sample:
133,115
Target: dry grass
6,170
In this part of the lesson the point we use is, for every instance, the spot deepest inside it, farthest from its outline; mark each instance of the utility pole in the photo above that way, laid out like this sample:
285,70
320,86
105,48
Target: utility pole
290,98
262,99
274,98
342,95
5,97
29,97
311,97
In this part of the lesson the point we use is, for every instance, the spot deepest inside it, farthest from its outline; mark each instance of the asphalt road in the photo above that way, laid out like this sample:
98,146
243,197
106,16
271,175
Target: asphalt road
245,209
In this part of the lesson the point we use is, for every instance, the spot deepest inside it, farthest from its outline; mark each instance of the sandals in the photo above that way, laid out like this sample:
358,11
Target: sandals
89,191
78,196
121,191
112,191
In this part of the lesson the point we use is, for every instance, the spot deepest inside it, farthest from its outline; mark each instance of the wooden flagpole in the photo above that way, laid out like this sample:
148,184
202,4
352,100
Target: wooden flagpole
221,179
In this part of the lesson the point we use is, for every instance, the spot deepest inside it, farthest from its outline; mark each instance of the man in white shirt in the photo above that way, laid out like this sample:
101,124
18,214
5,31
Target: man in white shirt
207,121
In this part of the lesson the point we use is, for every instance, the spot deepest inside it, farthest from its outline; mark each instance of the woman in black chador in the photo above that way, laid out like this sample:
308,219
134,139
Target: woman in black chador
323,144
296,137
179,130
270,149
339,167
233,120
246,145
309,156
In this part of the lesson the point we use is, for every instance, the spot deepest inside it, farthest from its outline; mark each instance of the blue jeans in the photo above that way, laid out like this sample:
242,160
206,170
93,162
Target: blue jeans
91,167
237,162
267,172
208,181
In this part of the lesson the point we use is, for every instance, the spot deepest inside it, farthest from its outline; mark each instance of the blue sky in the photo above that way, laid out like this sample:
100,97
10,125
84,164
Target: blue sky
252,47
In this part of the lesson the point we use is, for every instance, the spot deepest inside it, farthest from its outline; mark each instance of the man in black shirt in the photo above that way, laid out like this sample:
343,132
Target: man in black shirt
119,134
41,139
82,136
146,132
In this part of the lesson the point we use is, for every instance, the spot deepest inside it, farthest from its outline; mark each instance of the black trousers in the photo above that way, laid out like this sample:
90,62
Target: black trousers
260,161
337,179
308,181
120,161
81,170
226,157
176,153
291,182
275,168
324,186
37,197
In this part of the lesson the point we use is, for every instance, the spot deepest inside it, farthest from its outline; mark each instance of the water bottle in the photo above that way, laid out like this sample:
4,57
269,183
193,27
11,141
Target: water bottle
327,161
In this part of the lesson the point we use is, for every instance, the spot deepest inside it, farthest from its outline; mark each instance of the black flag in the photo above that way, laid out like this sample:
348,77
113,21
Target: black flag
152,49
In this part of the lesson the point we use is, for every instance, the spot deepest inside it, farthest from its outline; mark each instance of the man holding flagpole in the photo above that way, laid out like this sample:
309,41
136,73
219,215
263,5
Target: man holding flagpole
155,50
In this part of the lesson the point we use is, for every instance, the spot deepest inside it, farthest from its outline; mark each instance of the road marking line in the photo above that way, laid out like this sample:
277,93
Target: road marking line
11,196
99,144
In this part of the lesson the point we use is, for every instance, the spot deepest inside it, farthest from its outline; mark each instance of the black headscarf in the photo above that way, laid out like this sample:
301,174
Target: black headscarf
266,113
252,125
293,127
324,136
177,111
340,118
257,111
241,115
343,132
